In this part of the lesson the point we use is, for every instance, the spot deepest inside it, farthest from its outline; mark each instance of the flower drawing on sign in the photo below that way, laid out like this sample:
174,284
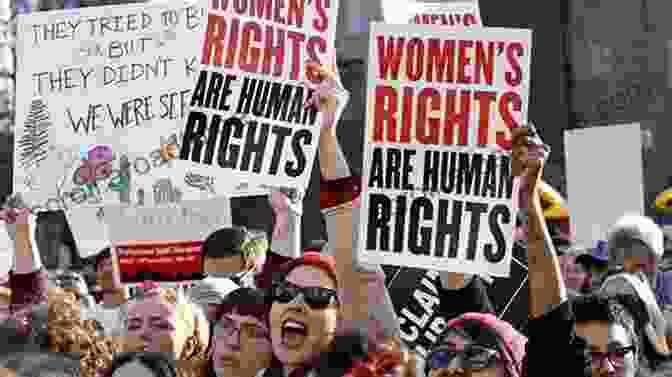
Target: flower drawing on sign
168,151
200,182
95,165
165,192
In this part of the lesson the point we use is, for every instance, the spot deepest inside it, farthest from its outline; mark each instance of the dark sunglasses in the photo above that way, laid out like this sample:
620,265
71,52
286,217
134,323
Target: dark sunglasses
472,357
315,297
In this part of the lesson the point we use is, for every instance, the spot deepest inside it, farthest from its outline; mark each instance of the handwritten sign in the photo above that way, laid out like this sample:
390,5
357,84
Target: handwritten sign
118,75
435,195
190,220
247,121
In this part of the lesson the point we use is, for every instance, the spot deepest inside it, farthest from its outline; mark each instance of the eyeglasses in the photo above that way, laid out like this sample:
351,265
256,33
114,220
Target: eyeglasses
228,327
315,297
616,357
473,357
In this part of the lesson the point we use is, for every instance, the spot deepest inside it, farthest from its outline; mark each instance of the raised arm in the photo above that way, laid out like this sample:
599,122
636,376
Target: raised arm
365,302
28,280
547,289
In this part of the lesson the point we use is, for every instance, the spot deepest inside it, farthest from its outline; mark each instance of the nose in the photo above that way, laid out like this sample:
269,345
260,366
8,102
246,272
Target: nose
232,342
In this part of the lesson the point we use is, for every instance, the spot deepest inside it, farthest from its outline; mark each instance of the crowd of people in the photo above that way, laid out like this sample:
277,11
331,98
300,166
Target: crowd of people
268,309
262,311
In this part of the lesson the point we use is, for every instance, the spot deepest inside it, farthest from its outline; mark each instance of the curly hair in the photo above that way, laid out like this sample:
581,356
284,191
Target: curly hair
69,333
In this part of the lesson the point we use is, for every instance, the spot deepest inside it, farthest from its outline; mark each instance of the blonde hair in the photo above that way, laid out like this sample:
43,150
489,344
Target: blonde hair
255,245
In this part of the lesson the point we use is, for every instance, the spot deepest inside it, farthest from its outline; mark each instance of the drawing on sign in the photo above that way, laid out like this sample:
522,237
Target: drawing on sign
34,142
201,182
165,192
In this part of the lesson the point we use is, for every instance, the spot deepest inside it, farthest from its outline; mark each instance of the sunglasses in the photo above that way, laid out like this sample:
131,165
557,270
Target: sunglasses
472,357
315,297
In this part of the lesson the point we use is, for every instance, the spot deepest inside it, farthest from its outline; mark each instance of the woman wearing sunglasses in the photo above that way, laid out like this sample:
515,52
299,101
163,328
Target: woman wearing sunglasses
316,296
477,344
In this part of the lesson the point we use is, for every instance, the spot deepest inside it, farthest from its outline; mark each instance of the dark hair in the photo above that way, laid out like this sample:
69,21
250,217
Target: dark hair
246,301
225,242
160,364
595,307
38,364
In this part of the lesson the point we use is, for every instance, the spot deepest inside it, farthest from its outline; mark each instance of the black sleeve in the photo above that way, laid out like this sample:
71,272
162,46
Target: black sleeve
471,299
569,351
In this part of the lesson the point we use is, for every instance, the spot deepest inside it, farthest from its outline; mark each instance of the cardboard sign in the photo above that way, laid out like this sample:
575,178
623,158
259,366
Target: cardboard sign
191,220
247,121
115,75
604,178
436,194
449,14
88,229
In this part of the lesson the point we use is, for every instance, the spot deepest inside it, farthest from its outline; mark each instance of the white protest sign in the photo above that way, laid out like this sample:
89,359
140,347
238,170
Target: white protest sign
190,220
436,194
88,229
118,75
452,14
248,122
604,178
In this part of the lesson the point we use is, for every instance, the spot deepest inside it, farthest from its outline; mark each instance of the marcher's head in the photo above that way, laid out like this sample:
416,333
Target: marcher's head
636,243
209,295
230,252
386,359
611,326
574,274
142,364
241,343
165,320
478,344
305,309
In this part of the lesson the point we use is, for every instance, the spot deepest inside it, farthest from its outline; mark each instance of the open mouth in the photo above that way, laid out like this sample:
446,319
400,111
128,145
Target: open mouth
294,333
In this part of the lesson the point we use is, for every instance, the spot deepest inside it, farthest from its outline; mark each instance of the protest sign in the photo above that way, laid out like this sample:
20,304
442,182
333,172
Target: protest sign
190,220
88,229
451,14
247,121
603,183
434,195
161,261
116,75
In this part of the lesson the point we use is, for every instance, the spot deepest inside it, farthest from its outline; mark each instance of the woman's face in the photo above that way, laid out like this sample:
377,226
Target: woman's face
610,348
573,274
241,346
298,332
463,357
153,326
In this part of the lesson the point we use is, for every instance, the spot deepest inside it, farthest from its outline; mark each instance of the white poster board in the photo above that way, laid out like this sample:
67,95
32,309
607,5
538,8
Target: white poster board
604,178
435,192
450,14
88,229
189,220
247,121
118,75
